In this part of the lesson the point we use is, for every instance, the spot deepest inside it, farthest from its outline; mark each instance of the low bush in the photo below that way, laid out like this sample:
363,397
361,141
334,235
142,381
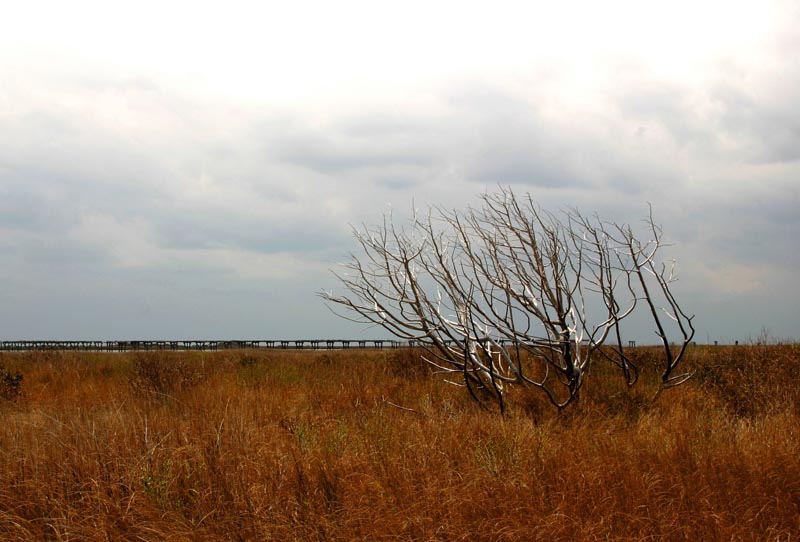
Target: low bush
164,374
10,384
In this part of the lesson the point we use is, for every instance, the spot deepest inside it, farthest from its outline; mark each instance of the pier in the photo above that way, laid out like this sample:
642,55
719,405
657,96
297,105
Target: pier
202,345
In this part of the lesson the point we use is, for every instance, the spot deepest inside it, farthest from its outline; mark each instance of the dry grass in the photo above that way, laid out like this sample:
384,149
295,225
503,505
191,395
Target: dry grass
273,445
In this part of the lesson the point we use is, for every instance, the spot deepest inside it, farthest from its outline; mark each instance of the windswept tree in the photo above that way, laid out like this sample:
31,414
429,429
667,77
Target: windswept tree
510,294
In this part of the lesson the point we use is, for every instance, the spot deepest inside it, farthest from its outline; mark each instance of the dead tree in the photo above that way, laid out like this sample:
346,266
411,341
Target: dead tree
510,294
650,281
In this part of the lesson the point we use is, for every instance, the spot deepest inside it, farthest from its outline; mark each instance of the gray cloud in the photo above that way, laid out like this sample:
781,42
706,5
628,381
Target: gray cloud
136,211
334,151
211,228
769,128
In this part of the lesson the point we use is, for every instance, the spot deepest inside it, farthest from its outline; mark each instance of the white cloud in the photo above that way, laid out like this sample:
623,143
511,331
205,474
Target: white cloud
130,243
223,151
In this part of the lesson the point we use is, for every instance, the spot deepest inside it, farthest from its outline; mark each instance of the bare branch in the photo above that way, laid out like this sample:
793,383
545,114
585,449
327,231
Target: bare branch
475,286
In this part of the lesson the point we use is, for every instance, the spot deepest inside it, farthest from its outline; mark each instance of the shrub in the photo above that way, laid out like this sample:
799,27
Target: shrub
162,375
10,384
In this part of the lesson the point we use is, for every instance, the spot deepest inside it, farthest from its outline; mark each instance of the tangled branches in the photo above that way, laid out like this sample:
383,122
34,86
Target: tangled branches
510,294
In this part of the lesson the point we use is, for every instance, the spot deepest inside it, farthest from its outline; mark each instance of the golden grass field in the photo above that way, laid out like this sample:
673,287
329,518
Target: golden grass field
367,445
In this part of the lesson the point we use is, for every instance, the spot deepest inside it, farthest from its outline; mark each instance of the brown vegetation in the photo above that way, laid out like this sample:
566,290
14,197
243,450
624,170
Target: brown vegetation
366,445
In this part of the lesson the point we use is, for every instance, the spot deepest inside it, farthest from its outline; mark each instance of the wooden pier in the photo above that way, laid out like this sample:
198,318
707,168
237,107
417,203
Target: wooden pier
202,345
213,345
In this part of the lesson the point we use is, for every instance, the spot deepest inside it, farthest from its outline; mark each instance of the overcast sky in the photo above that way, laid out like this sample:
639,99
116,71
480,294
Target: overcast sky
190,170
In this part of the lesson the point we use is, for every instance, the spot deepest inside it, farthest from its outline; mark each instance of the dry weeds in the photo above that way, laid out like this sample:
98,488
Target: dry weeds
365,445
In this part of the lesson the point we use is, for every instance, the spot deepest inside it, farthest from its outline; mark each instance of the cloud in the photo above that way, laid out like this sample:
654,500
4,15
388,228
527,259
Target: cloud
338,150
150,195
768,127
667,106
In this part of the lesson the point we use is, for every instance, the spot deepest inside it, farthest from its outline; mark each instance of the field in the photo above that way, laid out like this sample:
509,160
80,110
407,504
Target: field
367,445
